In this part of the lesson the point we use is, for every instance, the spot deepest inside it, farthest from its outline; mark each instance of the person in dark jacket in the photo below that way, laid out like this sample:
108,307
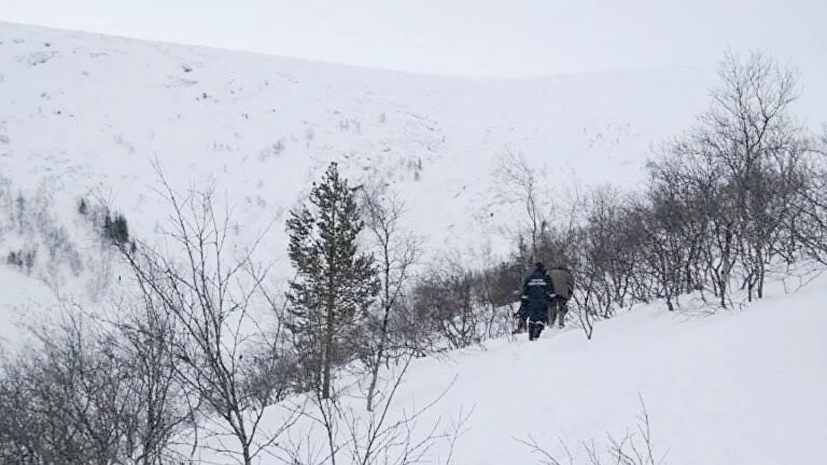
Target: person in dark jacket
563,282
538,290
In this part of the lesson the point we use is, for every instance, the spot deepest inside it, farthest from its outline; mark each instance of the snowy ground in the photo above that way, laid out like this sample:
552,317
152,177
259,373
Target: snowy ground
739,386
744,386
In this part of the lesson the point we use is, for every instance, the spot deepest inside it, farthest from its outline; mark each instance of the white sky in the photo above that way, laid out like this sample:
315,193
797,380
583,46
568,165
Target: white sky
457,37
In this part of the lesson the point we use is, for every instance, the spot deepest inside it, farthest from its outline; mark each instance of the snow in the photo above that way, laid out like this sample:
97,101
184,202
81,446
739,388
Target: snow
734,387
87,115
264,127
742,387
91,113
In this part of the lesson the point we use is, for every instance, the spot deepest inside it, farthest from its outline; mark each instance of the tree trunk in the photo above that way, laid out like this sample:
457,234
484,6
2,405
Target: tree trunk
328,352
374,376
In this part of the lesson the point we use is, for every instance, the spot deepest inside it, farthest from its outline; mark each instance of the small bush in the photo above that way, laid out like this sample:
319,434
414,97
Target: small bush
22,259
116,229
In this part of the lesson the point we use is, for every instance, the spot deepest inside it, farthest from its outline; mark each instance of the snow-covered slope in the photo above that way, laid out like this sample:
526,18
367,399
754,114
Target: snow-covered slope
89,113
85,115
747,387
735,387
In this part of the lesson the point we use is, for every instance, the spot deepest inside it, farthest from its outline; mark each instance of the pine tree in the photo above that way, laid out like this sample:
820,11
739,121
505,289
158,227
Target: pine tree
335,283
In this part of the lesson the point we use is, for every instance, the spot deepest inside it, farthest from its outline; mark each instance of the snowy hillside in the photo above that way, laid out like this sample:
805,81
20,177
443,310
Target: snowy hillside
737,387
97,110
744,386
86,116
91,112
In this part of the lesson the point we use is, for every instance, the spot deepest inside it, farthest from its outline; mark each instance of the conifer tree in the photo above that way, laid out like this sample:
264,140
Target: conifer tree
335,283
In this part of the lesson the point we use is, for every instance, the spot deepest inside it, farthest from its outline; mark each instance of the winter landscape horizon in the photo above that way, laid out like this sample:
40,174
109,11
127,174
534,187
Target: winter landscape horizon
92,124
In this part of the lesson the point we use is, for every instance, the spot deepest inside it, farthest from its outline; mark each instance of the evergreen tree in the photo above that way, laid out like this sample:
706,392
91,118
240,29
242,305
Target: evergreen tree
335,283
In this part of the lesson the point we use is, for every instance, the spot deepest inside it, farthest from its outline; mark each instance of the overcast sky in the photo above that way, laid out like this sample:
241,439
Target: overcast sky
458,37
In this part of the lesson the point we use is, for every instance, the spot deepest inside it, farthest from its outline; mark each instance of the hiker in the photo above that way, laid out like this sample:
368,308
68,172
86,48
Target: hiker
536,298
563,283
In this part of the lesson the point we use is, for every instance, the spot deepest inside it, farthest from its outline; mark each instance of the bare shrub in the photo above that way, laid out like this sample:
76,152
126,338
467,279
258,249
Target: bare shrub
76,397
385,435
209,299
445,305
634,448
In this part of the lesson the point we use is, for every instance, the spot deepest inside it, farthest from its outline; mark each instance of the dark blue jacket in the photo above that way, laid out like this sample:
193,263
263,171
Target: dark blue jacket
537,290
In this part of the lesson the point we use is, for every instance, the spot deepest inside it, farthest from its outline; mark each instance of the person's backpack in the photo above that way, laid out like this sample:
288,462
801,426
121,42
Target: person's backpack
562,280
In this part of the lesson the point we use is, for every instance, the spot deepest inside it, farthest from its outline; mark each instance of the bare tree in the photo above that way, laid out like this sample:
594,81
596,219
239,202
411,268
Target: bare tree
588,289
396,253
749,138
752,136
209,298
739,179
808,223
147,340
610,251
520,184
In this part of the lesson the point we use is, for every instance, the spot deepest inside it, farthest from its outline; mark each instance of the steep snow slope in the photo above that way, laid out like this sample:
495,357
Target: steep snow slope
737,387
745,386
91,112
86,115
